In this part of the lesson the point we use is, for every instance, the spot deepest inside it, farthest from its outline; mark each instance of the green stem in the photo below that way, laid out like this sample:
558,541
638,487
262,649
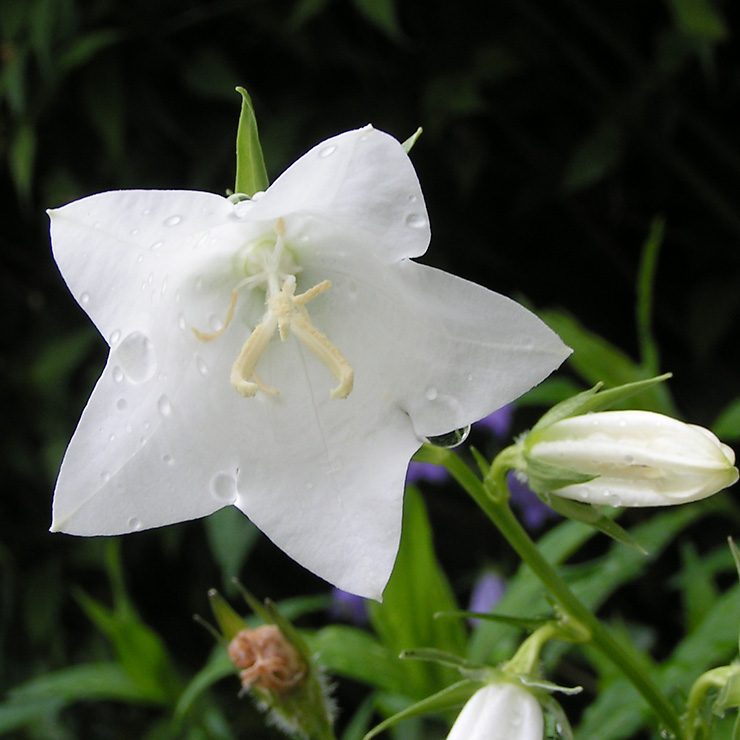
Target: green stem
498,511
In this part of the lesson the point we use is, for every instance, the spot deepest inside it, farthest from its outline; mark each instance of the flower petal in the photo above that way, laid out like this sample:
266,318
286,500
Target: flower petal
360,184
447,351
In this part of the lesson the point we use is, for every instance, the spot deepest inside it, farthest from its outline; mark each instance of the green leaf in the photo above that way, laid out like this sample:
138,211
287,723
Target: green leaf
21,160
594,158
699,18
727,424
594,517
216,668
231,537
86,681
598,361
382,14
450,697
645,290
416,591
353,653
251,174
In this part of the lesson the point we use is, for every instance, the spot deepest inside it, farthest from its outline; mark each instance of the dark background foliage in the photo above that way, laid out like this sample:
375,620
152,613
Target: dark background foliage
555,132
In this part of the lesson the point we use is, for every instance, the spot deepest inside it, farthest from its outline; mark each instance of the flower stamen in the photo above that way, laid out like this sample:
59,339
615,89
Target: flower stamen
287,313
210,336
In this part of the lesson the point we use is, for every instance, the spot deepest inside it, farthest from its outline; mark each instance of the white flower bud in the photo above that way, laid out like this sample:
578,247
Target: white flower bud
640,458
500,711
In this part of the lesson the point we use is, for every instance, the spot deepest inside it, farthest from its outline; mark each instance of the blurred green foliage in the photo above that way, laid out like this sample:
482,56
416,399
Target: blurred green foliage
584,157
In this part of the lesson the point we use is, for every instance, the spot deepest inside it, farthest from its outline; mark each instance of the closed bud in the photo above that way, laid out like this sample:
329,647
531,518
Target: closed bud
627,458
499,711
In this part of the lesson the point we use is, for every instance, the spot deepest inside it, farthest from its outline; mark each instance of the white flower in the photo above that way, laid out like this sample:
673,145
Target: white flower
641,458
499,711
202,405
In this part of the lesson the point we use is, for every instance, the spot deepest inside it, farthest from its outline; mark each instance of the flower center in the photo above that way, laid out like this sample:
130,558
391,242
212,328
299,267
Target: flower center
273,267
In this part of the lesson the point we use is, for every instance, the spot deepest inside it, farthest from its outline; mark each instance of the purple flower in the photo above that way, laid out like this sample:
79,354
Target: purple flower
533,510
487,592
499,422
429,472
347,607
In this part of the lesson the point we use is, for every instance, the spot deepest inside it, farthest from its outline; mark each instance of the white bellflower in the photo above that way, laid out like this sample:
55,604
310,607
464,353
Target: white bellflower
282,354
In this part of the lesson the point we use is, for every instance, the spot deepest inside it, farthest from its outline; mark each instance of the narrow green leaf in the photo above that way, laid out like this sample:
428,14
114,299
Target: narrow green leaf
251,174
417,590
450,697
645,290
594,517
229,621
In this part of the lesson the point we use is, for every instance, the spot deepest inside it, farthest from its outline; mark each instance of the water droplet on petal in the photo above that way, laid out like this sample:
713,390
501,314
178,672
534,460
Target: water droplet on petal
112,438
168,460
416,221
200,363
431,393
134,523
412,198
105,477
223,488
164,406
172,220
85,299
181,322
117,374
156,245
115,337
309,486
134,232
146,211
450,439
327,151
136,357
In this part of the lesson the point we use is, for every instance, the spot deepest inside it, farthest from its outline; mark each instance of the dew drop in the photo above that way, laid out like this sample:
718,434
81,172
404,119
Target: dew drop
327,151
168,460
223,488
450,439
134,232
117,374
115,337
164,406
112,438
146,211
431,393
200,363
172,220
215,323
412,198
628,459
416,221
309,486
134,523
85,299
140,258
181,322
105,477
154,246
136,357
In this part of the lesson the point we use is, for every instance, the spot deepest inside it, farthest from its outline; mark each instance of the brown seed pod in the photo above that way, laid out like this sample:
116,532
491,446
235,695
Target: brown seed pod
266,659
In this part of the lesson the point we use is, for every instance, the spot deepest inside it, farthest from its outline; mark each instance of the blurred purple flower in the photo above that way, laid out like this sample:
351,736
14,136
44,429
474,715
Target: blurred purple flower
499,422
418,471
533,510
347,607
487,592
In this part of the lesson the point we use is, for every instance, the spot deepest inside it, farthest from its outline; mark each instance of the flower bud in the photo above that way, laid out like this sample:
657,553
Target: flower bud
628,458
499,711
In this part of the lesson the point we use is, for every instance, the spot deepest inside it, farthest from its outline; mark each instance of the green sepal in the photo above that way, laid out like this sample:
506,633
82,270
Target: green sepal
543,477
251,173
441,657
594,517
409,143
229,622
549,686
450,697
483,465
595,399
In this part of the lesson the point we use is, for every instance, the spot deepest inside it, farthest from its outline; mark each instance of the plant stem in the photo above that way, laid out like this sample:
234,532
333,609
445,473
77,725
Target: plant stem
498,511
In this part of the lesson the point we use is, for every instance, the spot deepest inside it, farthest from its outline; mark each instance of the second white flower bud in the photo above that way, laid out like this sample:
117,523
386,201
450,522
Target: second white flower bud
637,458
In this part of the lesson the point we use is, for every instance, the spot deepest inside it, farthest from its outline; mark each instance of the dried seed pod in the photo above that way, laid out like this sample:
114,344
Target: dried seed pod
266,659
